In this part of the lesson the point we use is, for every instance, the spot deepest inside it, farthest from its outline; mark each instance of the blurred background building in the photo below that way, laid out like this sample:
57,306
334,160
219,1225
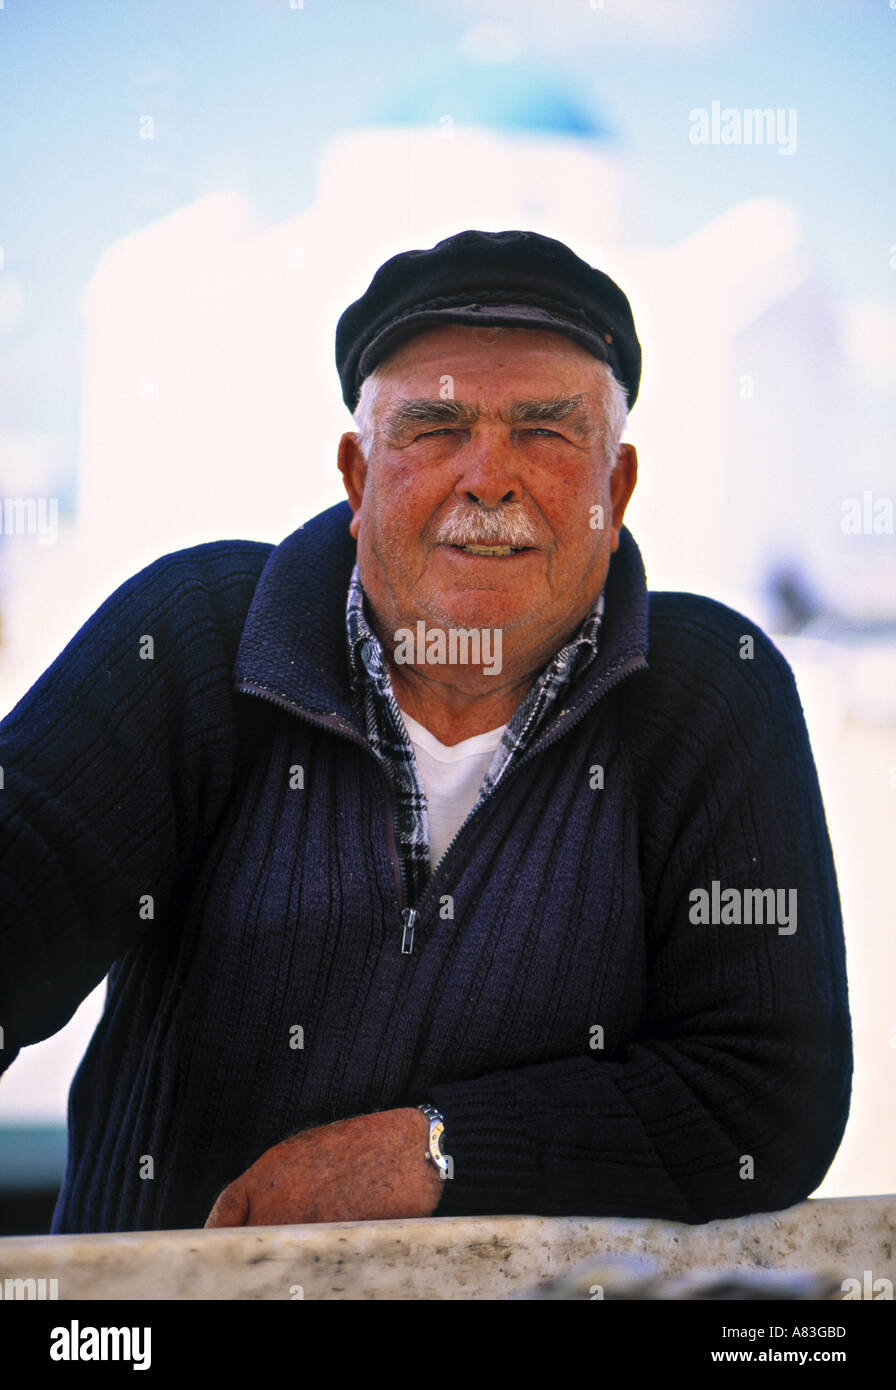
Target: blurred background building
199,200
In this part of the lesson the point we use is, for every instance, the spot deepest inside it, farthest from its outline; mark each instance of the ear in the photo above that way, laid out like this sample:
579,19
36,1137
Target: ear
353,466
622,485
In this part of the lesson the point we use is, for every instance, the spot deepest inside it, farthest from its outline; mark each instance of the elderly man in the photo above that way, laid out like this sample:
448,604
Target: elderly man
436,868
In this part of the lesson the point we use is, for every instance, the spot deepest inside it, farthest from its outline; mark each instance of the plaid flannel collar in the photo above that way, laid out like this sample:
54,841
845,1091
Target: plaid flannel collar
387,734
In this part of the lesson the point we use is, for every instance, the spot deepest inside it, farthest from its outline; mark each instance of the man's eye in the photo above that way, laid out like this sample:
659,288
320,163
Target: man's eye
553,433
430,434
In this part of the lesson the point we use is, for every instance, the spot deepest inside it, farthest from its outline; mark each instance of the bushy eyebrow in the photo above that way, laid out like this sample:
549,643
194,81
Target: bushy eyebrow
572,409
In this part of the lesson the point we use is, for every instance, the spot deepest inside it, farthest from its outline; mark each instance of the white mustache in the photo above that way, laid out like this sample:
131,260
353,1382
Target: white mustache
478,526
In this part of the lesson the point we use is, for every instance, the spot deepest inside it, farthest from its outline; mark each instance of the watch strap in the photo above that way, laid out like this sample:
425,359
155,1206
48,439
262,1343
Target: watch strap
434,1153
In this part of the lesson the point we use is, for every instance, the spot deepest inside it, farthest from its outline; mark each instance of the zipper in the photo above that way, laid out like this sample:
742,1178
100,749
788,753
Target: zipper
398,869
410,915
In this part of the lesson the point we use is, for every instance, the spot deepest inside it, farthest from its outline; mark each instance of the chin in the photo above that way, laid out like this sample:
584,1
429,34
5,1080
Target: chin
479,608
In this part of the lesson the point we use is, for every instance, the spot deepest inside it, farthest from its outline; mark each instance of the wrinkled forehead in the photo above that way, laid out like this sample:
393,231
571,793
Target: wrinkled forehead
486,366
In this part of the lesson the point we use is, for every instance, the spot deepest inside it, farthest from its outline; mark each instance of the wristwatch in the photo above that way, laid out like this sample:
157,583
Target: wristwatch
434,1153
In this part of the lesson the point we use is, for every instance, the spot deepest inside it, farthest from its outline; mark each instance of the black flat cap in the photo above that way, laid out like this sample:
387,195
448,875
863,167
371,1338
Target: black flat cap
515,279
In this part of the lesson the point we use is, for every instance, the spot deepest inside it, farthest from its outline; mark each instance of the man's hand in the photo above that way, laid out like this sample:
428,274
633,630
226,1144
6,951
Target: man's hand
368,1168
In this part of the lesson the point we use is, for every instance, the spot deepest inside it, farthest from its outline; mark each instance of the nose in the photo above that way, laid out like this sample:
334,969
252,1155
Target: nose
488,473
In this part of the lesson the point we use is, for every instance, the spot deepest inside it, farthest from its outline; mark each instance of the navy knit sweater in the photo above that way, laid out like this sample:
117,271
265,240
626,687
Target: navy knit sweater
190,804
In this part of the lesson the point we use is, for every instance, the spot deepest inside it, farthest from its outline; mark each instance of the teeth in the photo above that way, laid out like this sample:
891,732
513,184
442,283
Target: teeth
489,549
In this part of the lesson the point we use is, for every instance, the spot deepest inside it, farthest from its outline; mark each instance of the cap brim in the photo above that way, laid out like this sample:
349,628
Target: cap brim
481,315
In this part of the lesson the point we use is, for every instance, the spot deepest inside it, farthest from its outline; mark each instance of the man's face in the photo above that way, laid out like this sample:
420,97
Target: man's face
500,436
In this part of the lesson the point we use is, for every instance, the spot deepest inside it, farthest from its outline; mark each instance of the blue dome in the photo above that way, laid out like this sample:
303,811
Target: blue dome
512,97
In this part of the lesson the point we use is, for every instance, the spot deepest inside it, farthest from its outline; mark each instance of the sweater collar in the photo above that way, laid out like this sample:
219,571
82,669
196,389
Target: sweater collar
293,644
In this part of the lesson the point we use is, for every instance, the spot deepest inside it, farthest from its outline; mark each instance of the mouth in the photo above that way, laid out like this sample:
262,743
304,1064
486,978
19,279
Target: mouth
499,552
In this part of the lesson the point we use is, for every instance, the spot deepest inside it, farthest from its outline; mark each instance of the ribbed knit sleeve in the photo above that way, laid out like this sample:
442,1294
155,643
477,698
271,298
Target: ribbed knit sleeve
115,765
734,1096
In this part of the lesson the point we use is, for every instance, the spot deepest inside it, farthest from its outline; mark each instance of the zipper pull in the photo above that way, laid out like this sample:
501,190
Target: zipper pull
409,916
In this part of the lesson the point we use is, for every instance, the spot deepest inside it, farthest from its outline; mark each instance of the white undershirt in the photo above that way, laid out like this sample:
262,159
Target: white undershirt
451,778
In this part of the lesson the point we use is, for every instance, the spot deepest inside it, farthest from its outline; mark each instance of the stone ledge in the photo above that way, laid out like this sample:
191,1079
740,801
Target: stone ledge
446,1257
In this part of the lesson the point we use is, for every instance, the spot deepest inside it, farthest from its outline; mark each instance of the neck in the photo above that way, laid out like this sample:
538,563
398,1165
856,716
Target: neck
453,710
